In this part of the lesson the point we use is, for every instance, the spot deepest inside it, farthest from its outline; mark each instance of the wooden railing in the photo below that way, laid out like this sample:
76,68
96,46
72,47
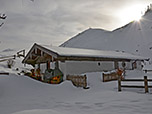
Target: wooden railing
19,54
145,86
78,81
6,58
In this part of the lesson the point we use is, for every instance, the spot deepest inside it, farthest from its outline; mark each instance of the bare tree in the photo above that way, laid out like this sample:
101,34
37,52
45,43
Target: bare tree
1,24
2,16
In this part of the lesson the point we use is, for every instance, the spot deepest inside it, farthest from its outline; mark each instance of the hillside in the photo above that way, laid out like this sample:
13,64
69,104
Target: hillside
134,37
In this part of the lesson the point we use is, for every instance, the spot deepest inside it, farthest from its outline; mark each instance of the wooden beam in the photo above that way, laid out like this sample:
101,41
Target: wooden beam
132,86
133,80
71,58
146,84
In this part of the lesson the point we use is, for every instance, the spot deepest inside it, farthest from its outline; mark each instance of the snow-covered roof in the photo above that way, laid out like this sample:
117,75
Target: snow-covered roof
64,53
77,52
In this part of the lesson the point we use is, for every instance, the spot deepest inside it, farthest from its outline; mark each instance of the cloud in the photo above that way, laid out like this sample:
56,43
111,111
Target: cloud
54,21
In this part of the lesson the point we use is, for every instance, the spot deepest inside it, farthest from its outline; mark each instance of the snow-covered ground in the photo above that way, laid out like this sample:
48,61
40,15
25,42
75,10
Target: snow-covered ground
23,95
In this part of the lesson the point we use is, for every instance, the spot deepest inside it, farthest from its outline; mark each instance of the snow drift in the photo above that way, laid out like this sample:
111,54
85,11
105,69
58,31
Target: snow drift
23,95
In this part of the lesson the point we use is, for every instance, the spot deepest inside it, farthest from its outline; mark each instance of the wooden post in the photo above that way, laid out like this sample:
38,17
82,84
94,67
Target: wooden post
146,84
65,70
77,80
103,77
24,53
85,81
119,83
48,65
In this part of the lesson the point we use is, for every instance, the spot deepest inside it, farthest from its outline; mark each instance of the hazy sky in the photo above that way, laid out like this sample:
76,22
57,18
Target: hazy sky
52,22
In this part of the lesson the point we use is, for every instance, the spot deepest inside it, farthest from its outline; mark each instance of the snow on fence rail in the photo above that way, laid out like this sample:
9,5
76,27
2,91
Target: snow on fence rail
78,81
145,80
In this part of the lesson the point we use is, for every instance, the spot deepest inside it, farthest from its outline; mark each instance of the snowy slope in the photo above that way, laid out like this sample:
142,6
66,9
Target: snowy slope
23,95
90,39
134,37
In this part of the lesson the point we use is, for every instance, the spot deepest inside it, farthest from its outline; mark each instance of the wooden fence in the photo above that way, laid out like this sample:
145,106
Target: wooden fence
19,54
6,58
145,86
78,81
110,77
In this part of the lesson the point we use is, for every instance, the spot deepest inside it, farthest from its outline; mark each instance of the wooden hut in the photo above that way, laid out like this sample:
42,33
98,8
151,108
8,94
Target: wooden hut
77,61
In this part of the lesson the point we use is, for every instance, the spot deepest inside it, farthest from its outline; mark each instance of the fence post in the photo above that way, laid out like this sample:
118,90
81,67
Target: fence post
103,77
146,84
85,81
119,83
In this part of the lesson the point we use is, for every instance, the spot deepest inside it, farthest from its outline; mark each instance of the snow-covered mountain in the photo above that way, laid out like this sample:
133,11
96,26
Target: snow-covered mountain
135,37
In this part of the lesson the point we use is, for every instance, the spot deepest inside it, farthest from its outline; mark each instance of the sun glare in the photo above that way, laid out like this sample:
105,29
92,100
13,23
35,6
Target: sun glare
132,13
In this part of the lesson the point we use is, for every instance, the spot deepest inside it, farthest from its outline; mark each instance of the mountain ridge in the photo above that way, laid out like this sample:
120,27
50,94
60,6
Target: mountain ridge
134,37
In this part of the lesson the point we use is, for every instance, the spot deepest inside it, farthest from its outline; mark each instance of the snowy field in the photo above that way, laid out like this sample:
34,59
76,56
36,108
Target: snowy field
23,95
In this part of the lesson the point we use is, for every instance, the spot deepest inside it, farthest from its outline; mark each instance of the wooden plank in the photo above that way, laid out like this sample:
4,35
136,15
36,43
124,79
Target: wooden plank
79,58
4,73
149,80
132,80
149,86
132,86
